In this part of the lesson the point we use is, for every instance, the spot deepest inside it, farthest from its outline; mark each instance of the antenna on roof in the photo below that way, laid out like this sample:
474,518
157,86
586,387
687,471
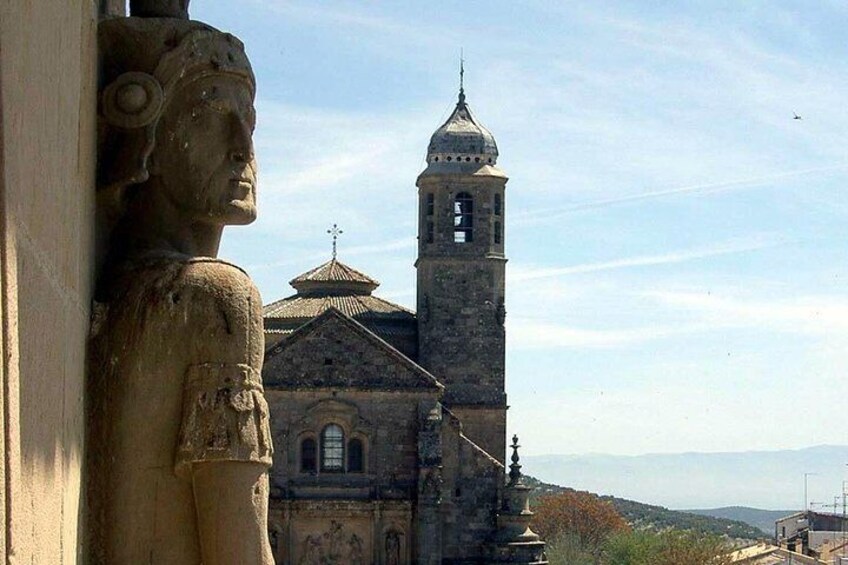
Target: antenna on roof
335,232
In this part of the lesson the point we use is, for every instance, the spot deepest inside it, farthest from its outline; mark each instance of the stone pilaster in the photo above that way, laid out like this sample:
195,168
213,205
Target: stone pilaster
429,516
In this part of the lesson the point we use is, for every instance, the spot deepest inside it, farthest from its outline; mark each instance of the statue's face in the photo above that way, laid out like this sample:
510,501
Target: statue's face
204,151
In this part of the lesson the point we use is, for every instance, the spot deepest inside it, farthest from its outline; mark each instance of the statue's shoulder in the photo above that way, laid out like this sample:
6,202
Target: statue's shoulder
160,275
212,272
218,280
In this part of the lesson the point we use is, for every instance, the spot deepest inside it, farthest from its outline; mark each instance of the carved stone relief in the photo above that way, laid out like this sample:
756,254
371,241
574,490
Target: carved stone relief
333,547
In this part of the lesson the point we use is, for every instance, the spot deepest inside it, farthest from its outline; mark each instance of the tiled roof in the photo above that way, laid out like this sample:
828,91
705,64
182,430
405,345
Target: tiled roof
334,274
356,306
335,286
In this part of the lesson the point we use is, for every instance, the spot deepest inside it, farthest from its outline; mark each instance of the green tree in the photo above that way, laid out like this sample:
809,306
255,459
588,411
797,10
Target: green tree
679,547
671,547
632,548
568,550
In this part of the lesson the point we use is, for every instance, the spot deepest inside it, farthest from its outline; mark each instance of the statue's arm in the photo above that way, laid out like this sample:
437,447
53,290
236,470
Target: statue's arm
225,416
225,441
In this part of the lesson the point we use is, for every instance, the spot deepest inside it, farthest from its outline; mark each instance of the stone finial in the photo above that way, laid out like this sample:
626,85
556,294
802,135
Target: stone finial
515,468
159,8
514,542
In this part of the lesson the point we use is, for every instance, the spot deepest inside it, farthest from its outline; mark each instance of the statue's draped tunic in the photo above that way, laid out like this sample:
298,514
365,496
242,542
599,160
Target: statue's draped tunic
181,343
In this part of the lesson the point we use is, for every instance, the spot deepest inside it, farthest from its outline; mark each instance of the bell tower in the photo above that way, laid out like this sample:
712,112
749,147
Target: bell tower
460,287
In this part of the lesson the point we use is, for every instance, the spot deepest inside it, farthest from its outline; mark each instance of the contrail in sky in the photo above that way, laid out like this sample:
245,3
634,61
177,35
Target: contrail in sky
535,216
726,248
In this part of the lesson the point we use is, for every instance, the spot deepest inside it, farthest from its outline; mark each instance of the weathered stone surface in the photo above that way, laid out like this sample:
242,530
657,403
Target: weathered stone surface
414,452
48,69
180,437
461,290
335,351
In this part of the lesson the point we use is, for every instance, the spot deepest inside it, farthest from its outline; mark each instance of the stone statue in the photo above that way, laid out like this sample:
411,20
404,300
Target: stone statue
313,551
355,555
179,443
392,548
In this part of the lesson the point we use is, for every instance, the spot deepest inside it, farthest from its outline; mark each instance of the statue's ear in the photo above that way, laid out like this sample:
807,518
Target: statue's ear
134,100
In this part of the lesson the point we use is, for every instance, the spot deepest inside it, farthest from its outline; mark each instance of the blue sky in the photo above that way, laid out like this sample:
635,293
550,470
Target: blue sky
677,242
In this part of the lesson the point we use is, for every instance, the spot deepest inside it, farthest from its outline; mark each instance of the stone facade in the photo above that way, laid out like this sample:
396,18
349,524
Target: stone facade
419,480
391,425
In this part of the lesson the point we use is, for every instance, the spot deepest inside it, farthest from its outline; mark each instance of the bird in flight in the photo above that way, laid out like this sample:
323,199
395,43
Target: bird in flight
797,117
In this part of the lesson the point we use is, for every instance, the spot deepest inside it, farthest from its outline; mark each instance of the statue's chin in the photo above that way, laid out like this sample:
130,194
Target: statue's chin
240,213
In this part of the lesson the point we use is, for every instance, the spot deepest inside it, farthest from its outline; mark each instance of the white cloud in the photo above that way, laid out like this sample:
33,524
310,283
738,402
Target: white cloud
726,248
547,214
528,333
818,315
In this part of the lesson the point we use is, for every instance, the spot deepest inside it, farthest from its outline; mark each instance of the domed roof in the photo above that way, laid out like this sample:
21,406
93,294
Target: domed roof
336,285
462,138
334,277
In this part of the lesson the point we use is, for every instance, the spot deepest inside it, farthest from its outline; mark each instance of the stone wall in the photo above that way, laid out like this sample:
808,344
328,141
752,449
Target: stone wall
486,427
47,157
470,495
461,293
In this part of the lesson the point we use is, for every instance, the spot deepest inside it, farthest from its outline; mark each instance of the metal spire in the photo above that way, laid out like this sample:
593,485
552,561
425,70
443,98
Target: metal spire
461,77
335,232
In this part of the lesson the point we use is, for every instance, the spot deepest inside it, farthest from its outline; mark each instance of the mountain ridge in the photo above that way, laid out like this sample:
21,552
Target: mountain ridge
651,517
759,479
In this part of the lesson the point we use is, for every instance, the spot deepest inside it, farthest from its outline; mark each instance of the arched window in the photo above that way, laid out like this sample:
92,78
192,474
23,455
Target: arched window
332,449
308,459
463,218
497,234
498,204
354,456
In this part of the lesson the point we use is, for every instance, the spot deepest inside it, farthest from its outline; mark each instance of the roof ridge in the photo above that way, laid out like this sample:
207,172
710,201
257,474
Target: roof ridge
334,271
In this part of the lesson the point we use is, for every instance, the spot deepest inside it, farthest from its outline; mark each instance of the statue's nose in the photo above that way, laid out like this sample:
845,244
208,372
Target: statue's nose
159,8
242,151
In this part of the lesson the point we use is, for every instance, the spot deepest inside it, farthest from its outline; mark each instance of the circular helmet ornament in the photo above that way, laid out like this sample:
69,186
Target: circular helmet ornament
133,100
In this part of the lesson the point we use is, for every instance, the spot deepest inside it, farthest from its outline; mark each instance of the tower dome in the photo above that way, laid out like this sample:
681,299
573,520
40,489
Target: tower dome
462,138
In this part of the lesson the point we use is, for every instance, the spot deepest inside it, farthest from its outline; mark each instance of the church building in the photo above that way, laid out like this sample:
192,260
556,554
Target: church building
390,425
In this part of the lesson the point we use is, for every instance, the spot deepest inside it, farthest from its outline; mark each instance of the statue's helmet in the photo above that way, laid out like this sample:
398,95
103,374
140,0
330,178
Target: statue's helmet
144,63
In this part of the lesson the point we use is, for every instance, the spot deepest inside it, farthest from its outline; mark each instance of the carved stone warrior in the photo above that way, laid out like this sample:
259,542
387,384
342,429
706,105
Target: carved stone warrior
179,443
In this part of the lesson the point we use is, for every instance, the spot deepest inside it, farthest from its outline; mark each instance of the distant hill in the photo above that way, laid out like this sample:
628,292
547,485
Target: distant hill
647,516
757,479
762,519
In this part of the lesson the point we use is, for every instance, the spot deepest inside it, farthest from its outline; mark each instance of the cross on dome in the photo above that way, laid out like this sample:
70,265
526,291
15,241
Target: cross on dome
335,232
